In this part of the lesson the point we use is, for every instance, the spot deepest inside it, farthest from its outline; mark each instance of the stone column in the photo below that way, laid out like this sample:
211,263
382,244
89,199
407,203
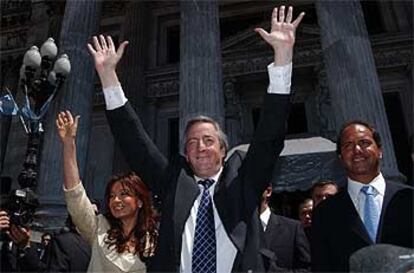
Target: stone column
80,23
133,62
324,107
233,113
132,65
200,62
352,77
396,15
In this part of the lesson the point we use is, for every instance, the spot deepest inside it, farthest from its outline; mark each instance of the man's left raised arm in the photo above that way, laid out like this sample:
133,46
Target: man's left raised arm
282,39
270,133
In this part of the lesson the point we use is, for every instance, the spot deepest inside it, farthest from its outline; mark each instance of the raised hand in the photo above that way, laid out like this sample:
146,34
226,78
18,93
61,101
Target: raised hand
20,235
4,221
106,57
282,34
67,126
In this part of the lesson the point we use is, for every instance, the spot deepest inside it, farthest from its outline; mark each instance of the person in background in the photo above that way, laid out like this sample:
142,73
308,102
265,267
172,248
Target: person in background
284,245
19,253
305,215
69,252
322,190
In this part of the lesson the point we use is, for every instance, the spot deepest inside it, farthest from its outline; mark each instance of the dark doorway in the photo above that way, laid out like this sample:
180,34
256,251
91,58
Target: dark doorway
399,134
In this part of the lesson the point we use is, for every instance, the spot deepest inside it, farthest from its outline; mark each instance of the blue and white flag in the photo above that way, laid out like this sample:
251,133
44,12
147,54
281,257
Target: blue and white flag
8,106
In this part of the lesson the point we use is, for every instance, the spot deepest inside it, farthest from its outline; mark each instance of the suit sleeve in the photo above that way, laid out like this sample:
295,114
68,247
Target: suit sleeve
139,150
59,261
264,150
319,246
31,262
301,256
8,258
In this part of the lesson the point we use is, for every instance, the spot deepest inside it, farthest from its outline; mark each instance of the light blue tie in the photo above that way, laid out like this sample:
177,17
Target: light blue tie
371,212
204,248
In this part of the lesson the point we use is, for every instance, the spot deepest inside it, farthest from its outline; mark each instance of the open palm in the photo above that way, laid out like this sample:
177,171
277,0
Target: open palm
104,54
282,32
67,126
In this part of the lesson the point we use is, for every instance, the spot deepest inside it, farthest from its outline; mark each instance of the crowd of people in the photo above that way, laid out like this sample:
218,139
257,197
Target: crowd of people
215,214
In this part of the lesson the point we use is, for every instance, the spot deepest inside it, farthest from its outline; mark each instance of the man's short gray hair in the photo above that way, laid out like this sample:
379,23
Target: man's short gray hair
204,119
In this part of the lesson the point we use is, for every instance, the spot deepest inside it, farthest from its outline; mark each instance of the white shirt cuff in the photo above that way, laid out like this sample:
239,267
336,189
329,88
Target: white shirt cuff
114,97
279,78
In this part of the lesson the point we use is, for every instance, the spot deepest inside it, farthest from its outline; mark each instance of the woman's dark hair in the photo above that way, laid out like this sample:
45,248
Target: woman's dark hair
145,230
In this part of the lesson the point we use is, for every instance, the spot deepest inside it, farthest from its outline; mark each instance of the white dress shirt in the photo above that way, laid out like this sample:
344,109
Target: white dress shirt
358,198
226,250
279,83
265,217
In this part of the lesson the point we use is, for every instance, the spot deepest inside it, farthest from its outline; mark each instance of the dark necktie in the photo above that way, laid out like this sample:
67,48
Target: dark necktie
371,212
204,248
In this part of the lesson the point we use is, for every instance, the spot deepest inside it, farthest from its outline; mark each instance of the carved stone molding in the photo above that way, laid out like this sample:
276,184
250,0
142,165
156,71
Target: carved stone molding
15,13
158,86
163,89
232,99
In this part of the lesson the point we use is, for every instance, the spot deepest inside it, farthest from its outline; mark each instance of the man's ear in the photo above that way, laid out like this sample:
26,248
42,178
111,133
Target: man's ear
223,152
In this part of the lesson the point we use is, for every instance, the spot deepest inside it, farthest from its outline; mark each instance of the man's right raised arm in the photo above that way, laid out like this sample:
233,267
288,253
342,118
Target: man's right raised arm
139,150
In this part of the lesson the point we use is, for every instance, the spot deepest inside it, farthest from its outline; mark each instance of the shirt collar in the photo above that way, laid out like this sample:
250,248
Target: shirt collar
378,183
214,177
264,217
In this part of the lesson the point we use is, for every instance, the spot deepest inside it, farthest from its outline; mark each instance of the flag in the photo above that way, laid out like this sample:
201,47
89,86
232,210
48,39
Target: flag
8,106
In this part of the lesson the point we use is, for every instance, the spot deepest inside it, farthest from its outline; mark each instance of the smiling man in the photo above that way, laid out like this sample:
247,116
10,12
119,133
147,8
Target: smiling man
209,208
365,213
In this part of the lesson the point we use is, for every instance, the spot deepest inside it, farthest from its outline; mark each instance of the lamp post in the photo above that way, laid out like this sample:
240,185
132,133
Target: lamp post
41,76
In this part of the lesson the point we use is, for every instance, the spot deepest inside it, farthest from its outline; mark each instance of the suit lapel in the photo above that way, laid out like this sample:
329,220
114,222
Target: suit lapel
272,229
186,193
236,230
354,220
390,191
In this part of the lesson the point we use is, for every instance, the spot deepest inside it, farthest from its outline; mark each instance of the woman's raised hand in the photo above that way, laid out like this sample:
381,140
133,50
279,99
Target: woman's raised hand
67,126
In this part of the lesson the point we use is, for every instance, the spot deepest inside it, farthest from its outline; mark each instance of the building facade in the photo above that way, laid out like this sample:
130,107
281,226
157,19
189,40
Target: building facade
343,69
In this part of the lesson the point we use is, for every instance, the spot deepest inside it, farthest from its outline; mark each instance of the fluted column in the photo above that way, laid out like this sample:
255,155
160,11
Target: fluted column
133,62
80,23
324,106
396,15
351,72
233,112
132,66
200,62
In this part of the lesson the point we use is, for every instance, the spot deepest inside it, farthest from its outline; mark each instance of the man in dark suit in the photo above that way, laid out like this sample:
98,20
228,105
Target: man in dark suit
370,211
200,185
69,252
284,244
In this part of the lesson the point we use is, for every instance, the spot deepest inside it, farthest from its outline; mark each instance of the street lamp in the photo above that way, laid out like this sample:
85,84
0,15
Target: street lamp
41,76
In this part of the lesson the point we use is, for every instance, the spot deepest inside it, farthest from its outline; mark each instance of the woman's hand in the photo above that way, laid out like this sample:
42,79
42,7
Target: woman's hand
67,126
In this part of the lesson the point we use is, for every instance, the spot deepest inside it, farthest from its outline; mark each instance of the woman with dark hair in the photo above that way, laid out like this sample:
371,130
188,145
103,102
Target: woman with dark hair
125,236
